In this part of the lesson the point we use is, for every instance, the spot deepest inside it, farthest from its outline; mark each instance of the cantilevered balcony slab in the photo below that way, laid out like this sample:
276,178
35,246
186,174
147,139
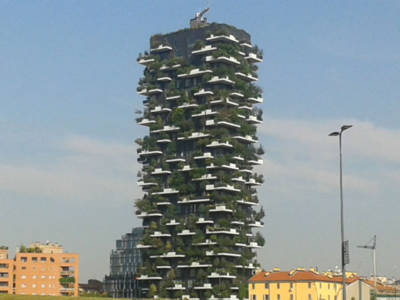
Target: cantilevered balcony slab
205,243
216,144
239,223
186,232
143,92
256,99
258,162
147,277
146,122
205,177
207,112
252,57
176,287
143,246
223,102
230,166
167,191
166,128
164,79
164,141
172,222
236,95
161,48
250,266
194,73
221,80
168,255
195,135
249,203
143,215
204,221
160,171
163,203
246,107
231,231
154,91
222,37
239,179
220,208
215,275
247,77
158,234
245,139
222,124
188,105
246,45
246,171
205,49
238,157
166,267
226,254
185,168
256,224
146,184
146,60
203,92
168,68
253,120
222,59
252,182
175,160
160,109
205,155
175,97
205,286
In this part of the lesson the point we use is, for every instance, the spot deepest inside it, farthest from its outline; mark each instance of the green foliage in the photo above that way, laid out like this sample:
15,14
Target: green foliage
67,280
23,249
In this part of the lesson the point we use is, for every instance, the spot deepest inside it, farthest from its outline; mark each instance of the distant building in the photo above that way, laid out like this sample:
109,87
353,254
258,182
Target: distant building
297,284
40,269
124,261
92,287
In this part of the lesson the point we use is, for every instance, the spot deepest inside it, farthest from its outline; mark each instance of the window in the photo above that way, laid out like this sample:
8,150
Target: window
43,259
43,276
309,297
34,277
253,286
291,296
267,285
23,285
43,286
278,286
34,285
278,297
266,297
51,260
24,259
34,259
254,297
309,285
23,277
320,285
291,285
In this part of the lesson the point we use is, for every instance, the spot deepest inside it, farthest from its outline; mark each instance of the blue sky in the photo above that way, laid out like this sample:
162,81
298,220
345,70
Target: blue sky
68,77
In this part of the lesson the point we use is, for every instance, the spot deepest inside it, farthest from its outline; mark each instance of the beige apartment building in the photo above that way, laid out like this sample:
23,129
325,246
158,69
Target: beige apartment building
6,272
44,269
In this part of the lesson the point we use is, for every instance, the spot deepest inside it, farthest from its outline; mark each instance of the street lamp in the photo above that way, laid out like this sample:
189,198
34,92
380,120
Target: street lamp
344,244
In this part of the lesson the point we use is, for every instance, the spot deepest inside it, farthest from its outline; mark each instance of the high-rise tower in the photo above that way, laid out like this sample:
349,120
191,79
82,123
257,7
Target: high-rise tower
200,203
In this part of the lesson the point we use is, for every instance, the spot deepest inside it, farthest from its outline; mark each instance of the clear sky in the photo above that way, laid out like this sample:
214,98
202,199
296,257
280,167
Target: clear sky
68,76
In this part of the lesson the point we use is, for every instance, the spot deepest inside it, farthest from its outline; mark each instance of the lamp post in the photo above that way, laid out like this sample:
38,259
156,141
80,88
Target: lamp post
344,244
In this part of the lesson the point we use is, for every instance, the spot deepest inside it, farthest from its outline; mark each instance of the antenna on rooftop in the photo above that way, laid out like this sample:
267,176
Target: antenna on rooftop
199,20
371,245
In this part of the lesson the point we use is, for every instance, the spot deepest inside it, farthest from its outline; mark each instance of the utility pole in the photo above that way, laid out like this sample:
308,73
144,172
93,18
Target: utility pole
373,248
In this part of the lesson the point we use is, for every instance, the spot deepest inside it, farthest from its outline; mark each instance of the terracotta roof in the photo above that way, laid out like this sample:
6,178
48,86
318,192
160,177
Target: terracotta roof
381,287
298,276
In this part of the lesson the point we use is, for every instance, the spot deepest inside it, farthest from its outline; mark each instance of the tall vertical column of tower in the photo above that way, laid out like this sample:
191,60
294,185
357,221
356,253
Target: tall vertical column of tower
199,204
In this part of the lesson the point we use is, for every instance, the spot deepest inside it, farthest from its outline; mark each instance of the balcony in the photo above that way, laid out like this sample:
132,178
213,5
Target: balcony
154,91
231,231
176,287
252,182
205,286
203,92
188,105
160,109
231,166
194,135
166,128
193,201
252,57
205,155
250,266
215,275
224,38
227,254
172,222
221,80
220,208
222,101
159,171
239,179
168,255
205,49
194,73
256,162
246,202
145,60
146,122
246,45
253,120
169,98
167,191
163,267
222,123
256,224
168,68
239,223
247,77
215,144
222,59
238,157
186,232
205,177
164,79
164,141
245,139
143,92
147,277
236,95
143,215
204,221
185,168
247,171
206,243
245,107
146,184
143,246
175,160
160,49
158,234
256,100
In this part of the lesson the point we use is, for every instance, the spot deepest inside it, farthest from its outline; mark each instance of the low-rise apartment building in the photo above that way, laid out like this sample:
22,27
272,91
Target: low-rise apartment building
6,272
297,284
42,269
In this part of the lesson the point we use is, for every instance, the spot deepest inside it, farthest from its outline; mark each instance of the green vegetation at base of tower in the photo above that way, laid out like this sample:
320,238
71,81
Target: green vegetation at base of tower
198,164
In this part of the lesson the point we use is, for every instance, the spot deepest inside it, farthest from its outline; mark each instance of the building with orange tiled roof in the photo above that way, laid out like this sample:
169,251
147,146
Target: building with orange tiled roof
298,284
